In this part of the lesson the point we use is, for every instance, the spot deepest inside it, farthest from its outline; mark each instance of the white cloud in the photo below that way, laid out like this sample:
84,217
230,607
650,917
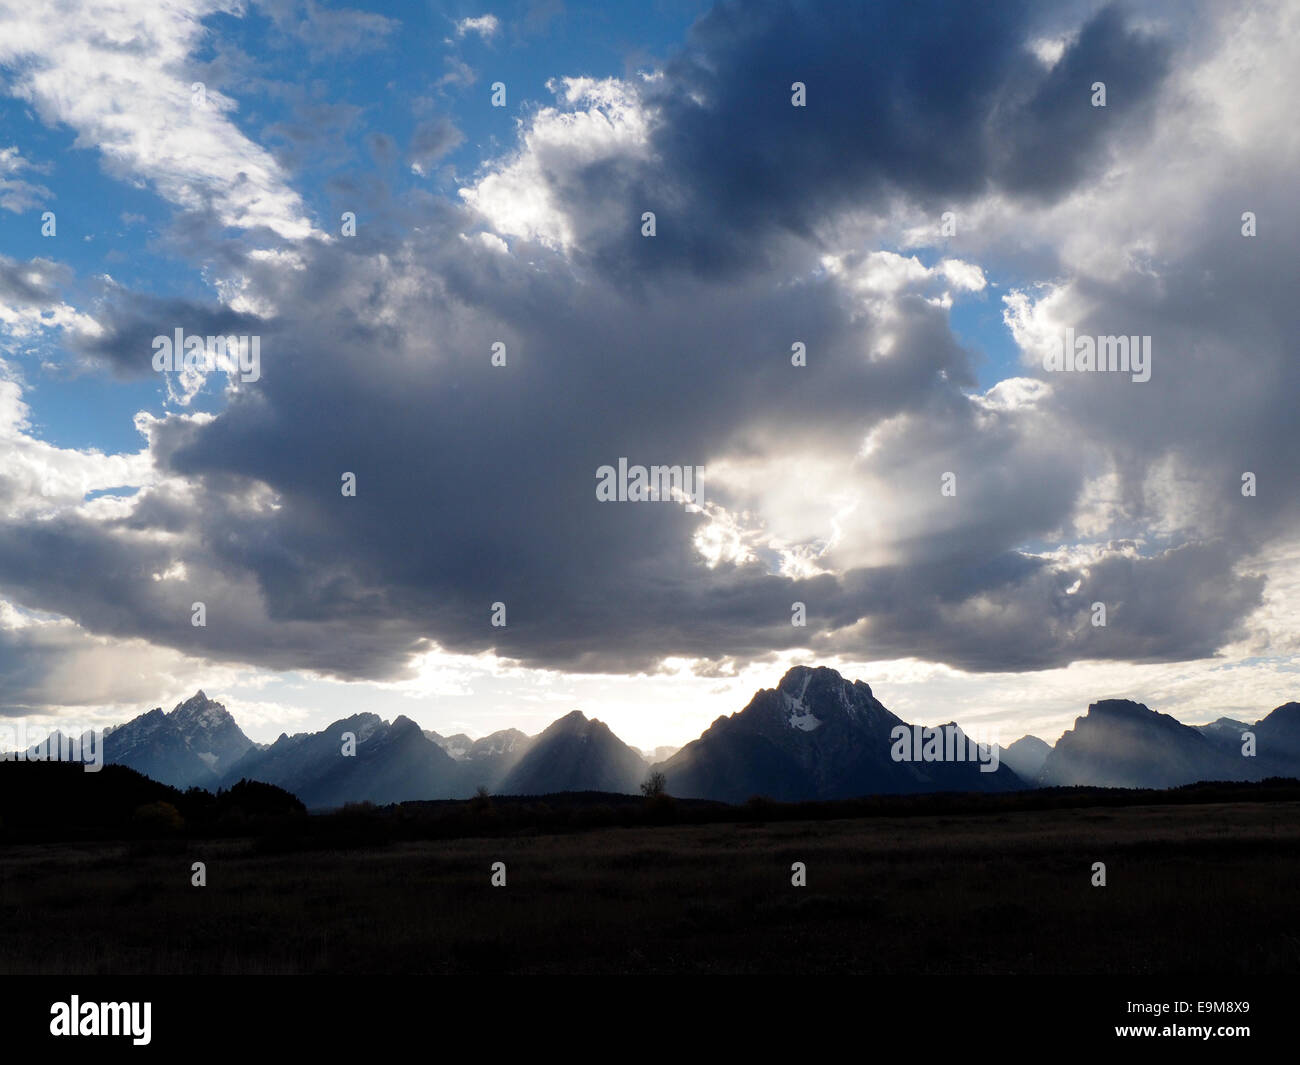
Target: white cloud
880,276
39,480
121,75
486,26
516,196
17,194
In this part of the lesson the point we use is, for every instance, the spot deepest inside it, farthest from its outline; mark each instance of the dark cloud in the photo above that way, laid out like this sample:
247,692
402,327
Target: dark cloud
36,283
433,138
1016,612
130,321
933,102
1047,136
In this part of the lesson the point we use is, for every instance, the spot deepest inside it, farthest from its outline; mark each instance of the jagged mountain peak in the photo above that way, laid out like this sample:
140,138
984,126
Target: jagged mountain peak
803,678
810,696
199,711
191,745
815,735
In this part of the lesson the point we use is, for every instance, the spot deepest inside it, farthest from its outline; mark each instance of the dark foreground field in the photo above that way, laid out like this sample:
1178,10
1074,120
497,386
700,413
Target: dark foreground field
1191,889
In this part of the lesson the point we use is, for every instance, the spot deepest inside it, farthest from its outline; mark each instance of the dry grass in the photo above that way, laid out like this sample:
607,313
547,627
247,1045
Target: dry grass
1207,888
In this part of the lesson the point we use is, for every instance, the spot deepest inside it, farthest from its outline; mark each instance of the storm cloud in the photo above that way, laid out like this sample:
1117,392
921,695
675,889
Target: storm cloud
823,483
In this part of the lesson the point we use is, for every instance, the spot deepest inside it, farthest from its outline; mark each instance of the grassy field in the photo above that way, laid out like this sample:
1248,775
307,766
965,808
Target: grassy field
1191,889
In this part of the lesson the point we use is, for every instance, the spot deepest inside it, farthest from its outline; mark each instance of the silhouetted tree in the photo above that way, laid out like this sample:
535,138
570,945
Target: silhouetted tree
482,801
654,785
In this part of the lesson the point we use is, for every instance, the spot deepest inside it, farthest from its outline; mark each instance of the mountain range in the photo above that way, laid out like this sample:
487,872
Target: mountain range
814,736
191,746
1123,744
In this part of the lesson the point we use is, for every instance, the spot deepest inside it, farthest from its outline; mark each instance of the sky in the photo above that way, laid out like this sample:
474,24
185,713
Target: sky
433,221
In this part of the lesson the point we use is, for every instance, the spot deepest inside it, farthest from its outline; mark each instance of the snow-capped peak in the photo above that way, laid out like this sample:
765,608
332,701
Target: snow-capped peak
199,713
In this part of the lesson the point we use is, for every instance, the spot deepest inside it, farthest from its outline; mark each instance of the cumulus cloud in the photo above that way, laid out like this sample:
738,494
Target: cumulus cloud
599,126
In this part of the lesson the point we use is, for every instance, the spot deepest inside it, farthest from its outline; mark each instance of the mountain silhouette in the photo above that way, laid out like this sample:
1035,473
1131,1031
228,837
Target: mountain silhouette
1276,739
815,736
1123,744
576,754
191,746
389,763
1026,756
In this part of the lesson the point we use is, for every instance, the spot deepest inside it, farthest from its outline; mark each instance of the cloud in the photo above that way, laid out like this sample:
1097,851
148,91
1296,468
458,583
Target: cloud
48,663
604,127
485,26
39,480
31,307
16,194
119,77
458,72
980,114
432,139
382,147
327,30
776,225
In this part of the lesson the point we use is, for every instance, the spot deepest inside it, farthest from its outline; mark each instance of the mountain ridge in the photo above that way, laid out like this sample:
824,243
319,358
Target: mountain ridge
816,735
